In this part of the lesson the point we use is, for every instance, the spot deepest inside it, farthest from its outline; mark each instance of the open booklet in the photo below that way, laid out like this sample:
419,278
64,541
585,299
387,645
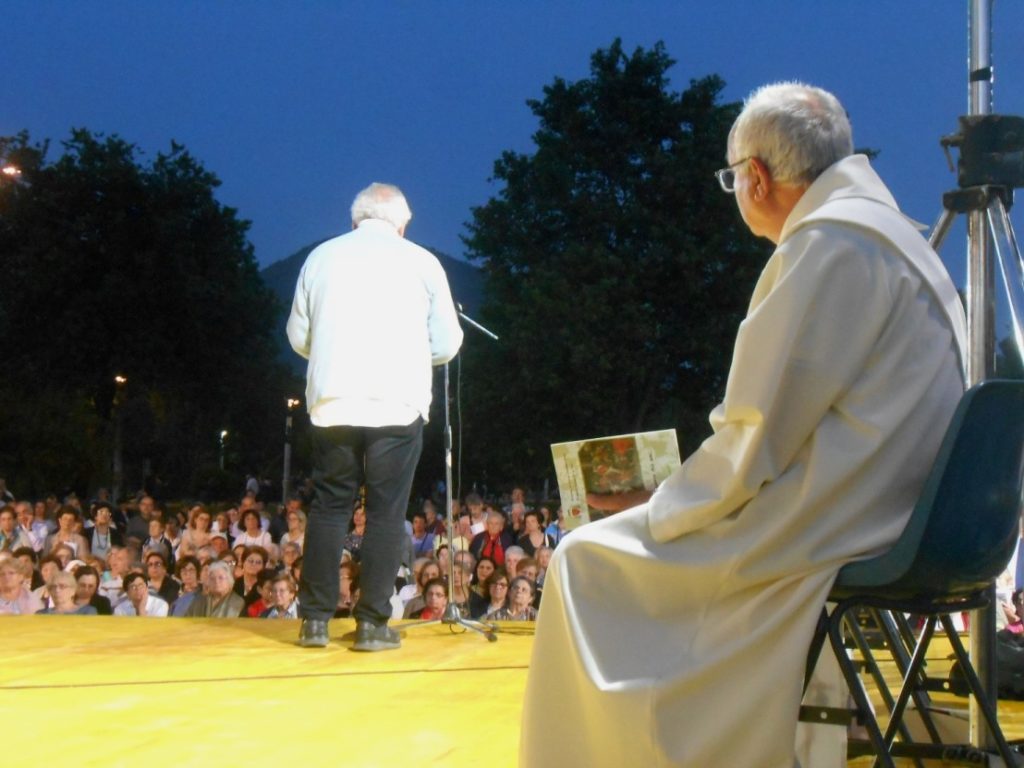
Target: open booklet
611,465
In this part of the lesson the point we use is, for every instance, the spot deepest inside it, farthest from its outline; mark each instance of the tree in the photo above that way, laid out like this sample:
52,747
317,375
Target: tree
616,269
117,266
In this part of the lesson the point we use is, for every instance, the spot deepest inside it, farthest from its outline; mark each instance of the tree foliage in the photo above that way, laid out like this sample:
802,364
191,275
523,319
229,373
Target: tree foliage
616,269
114,265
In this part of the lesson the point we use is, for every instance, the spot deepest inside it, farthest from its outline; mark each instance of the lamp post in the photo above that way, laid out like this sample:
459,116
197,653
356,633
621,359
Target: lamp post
292,404
223,439
118,469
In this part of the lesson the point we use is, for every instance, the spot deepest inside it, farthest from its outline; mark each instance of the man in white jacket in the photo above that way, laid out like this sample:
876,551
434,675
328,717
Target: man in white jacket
675,633
372,313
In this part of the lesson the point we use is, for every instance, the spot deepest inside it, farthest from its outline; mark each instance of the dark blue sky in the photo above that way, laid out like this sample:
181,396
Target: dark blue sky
297,105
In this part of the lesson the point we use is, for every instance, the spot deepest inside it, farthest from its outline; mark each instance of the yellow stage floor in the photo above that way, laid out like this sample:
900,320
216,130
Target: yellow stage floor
106,691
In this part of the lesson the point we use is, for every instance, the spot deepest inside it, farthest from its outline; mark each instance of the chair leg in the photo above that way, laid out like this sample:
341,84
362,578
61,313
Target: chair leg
985,704
901,655
882,757
902,661
817,641
910,680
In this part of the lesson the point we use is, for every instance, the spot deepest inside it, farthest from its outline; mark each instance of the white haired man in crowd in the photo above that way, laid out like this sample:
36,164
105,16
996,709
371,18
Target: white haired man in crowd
676,632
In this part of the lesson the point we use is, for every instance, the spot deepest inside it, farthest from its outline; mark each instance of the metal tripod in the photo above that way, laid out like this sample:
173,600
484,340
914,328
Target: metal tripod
990,167
452,615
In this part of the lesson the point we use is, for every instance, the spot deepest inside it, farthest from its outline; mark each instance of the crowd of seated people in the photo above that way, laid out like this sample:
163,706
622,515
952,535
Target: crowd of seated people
139,559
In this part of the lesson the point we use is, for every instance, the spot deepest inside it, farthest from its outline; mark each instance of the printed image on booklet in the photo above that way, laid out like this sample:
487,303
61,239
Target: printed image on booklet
611,465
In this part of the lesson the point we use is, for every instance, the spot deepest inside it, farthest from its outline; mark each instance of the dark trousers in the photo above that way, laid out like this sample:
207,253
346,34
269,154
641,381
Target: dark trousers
344,458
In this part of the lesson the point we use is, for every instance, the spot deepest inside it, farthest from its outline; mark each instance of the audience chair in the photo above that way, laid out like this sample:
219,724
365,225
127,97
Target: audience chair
960,536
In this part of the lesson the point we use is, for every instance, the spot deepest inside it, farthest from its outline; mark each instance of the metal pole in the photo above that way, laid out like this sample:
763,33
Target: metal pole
287,456
980,330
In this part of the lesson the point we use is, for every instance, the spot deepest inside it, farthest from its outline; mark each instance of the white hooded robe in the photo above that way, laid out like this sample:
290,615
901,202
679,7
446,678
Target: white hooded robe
676,633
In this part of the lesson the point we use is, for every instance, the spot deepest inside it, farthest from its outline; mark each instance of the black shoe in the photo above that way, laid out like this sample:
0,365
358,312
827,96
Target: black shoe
370,637
313,633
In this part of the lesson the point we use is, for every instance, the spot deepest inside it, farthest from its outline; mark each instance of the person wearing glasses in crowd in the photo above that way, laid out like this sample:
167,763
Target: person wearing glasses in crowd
253,561
138,601
497,594
63,589
283,594
519,606
844,376
160,581
296,533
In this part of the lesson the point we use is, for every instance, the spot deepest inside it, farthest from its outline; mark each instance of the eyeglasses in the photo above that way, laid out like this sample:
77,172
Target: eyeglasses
254,561
727,176
500,585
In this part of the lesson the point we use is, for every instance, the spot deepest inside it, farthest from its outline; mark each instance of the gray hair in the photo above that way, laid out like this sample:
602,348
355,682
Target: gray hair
797,130
220,565
381,201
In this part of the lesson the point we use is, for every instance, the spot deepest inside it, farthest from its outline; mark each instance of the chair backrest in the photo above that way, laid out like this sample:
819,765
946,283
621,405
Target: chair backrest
965,525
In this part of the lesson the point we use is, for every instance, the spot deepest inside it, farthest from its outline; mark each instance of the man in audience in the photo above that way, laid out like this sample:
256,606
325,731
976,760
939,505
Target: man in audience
34,531
494,541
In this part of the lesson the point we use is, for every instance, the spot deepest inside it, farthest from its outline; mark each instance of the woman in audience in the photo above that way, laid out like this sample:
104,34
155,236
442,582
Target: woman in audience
461,591
265,585
416,602
410,590
497,592
221,524
67,533
285,605
64,554
296,533
253,534
63,588
48,566
348,588
198,532
253,561
533,534
160,582
14,595
219,600
187,570
520,603
138,601
290,552
88,583
435,600
357,529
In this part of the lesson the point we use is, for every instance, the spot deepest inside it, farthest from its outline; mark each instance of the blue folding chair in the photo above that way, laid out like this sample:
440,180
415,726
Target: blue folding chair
960,536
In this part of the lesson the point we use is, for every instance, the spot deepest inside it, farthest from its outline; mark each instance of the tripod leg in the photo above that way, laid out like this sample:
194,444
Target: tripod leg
1010,265
941,228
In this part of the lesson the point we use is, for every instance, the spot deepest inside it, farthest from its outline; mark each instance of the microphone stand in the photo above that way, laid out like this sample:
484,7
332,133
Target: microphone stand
452,616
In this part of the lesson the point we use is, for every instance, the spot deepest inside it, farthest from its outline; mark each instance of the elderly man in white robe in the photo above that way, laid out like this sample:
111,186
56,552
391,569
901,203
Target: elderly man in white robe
675,633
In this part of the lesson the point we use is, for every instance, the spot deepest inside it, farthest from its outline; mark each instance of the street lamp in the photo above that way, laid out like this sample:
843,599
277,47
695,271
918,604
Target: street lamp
11,171
118,479
223,438
292,404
